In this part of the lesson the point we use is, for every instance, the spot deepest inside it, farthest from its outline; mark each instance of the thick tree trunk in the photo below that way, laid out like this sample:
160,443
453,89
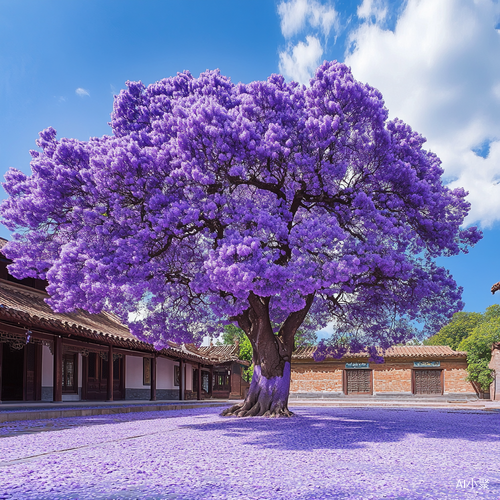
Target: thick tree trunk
267,396
272,354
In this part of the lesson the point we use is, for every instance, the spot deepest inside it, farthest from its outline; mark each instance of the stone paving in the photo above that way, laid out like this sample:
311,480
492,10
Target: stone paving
322,453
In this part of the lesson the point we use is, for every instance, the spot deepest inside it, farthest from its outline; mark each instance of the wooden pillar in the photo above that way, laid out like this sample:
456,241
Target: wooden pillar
25,375
198,396
153,378
211,381
181,380
1,358
57,381
110,373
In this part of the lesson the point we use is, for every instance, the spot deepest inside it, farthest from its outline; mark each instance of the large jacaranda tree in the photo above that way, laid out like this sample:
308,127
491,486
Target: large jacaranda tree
257,204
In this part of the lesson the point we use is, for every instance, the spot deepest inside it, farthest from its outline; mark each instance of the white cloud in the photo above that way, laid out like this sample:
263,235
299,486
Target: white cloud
293,17
82,92
373,9
439,71
314,19
297,14
300,61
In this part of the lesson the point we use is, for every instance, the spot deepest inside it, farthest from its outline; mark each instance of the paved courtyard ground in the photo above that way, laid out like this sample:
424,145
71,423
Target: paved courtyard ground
322,453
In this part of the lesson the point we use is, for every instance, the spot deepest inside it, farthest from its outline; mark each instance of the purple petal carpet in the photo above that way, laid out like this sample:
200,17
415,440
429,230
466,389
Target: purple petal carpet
322,453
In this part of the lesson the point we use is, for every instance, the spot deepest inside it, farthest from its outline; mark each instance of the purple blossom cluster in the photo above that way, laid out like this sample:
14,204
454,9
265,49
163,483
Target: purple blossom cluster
321,453
208,192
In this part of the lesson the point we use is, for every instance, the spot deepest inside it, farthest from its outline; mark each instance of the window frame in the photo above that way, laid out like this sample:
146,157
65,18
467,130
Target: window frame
74,388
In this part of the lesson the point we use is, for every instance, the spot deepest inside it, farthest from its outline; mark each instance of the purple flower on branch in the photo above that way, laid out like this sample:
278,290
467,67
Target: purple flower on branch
262,204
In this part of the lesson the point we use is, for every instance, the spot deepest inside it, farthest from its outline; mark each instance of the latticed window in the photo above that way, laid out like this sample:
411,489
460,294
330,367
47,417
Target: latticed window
205,377
221,381
69,373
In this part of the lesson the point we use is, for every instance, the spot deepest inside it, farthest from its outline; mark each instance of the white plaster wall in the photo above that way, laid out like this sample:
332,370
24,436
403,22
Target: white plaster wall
165,373
133,375
47,367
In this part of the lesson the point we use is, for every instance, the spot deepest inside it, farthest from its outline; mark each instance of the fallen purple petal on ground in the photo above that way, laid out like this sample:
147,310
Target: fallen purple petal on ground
322,453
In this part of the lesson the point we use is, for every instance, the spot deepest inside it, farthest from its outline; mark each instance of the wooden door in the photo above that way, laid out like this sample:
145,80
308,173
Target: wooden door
22,373
93,380
358,381
96,378
427,382
118,379
221,384
31,378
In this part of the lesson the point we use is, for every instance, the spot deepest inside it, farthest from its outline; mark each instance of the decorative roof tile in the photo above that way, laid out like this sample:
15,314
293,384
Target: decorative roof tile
221,353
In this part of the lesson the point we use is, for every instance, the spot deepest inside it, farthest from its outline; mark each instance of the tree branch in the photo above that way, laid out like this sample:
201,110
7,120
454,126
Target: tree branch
289,328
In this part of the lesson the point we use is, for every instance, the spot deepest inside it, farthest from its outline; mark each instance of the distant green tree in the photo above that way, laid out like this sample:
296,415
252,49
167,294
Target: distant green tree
474,333
459,328
233,334
492,312
478,347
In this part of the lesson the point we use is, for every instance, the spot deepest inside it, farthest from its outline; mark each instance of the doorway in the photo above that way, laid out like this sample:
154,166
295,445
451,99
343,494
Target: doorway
21,373
358,381
427,382
95,378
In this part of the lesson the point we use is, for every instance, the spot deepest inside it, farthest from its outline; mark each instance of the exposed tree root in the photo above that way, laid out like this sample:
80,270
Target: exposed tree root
267,397
257,410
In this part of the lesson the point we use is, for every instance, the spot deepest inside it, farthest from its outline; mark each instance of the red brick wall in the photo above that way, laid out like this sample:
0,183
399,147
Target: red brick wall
392,376
455,377
316,377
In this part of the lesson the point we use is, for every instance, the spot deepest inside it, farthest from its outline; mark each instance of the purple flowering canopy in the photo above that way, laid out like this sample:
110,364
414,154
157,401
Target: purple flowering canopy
261,204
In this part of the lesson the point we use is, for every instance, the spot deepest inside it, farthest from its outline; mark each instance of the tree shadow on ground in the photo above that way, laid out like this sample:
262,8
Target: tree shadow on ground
338,428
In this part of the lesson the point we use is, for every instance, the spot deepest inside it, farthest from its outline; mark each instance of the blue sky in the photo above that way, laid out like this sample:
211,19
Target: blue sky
436,63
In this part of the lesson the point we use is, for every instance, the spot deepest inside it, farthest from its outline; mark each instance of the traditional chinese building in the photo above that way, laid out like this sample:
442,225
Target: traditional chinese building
46,356
495,360
495,366
407,371
227,372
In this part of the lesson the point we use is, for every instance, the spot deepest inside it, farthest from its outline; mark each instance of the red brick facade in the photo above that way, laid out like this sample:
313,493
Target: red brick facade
316,377
397,375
